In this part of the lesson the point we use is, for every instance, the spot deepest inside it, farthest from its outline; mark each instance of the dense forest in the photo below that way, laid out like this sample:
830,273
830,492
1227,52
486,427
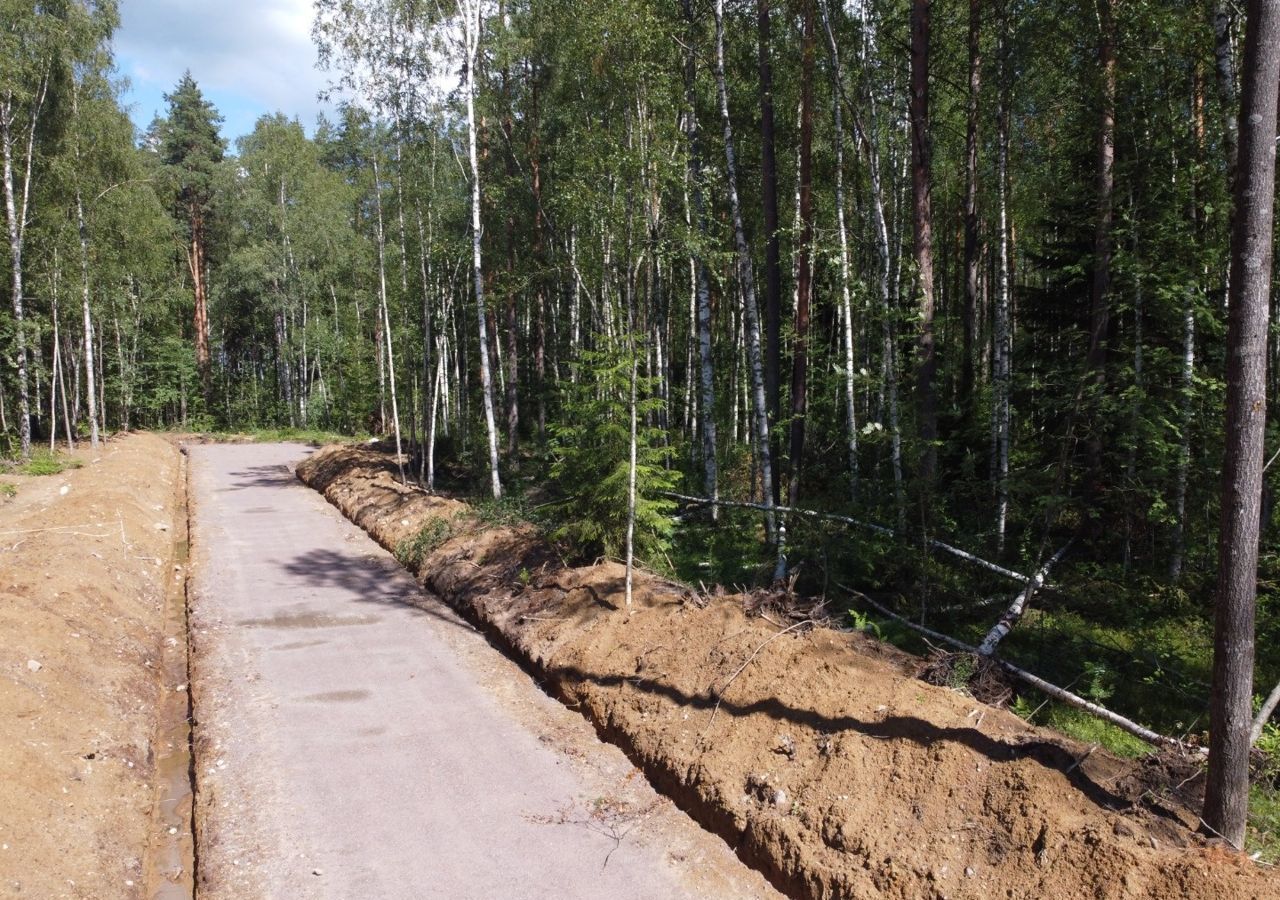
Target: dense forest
929,296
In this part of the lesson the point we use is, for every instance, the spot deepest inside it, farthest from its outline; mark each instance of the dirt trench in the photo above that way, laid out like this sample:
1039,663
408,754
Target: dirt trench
93,765
823,760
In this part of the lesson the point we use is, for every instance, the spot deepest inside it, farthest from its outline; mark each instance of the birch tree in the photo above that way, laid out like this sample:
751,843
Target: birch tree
746,279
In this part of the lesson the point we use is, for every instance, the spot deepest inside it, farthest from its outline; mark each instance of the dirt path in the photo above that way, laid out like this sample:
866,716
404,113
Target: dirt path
358,739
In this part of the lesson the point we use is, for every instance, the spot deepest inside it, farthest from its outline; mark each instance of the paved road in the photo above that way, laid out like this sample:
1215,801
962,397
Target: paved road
356,739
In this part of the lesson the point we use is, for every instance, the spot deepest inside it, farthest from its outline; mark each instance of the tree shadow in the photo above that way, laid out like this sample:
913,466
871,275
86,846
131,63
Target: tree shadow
273,475
372,578
1051,756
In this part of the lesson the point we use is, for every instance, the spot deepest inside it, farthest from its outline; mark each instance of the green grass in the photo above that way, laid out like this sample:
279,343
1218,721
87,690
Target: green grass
283,435
511,509
42,462
8,490
1264,823
434,532
1082,726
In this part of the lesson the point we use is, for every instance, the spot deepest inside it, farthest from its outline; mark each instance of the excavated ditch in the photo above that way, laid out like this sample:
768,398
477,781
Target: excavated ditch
815,753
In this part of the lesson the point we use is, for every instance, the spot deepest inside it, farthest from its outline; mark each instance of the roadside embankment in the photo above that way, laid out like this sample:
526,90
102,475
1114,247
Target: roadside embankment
816,753
86,571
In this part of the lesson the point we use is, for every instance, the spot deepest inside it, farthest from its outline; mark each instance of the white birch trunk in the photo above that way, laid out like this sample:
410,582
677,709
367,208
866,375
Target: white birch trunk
91,387
846,303
1184,450
746,276
386,318
471,34
1003,350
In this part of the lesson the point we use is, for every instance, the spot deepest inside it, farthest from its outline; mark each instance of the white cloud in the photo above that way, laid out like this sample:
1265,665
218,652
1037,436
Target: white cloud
250,57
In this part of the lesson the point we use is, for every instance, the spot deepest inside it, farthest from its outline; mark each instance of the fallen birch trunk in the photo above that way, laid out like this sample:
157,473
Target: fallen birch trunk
1264,715
858,523
1013,614
1101,712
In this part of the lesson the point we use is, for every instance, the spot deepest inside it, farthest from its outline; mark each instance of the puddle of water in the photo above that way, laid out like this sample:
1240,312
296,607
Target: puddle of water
306,620
338,697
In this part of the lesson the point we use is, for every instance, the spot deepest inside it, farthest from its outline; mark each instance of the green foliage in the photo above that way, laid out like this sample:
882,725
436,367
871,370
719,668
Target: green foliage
590,450
1078,724
1087,728
8,490
316,437
413,550
44,462
1263,836
860,621
511,509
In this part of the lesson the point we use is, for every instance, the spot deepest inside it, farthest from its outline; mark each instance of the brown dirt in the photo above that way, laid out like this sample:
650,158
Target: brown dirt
816,753
85,560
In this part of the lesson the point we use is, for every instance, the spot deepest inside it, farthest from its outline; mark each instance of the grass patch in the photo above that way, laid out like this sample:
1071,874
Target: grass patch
1079,725
1089,729
8,490
314,436
43,462
511,510
1263,836
434,532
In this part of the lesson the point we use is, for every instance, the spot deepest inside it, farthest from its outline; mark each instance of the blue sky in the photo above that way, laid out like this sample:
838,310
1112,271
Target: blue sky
250,57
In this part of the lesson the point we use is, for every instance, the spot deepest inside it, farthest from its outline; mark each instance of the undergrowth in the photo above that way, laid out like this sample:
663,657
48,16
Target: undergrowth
8,490
314,436
434,532
43,462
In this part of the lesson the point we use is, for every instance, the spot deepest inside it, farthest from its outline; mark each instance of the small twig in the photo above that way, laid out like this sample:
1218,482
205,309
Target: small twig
1075,765
58,528
720,694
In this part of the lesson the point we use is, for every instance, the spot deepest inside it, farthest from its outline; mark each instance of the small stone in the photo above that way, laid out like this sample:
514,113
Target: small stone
969,872
34,666
317,871
173,830
64,490
162,526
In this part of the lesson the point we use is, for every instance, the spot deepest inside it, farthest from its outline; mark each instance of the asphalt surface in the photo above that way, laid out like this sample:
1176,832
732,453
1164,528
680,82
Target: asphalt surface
357,739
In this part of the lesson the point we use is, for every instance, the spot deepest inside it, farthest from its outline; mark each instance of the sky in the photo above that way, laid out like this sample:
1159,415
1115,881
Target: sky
250,58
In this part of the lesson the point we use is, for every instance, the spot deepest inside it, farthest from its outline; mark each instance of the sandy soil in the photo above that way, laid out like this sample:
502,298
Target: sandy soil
85,559
816,753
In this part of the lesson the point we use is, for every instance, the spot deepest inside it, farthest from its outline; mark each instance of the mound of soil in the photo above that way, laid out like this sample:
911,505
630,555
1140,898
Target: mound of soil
85,559
816,753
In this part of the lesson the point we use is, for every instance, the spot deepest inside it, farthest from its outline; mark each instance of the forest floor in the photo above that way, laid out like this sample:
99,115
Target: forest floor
90,629
817,753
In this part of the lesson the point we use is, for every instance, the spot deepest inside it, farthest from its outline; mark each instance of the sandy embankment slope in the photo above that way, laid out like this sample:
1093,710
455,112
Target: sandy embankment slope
85,561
